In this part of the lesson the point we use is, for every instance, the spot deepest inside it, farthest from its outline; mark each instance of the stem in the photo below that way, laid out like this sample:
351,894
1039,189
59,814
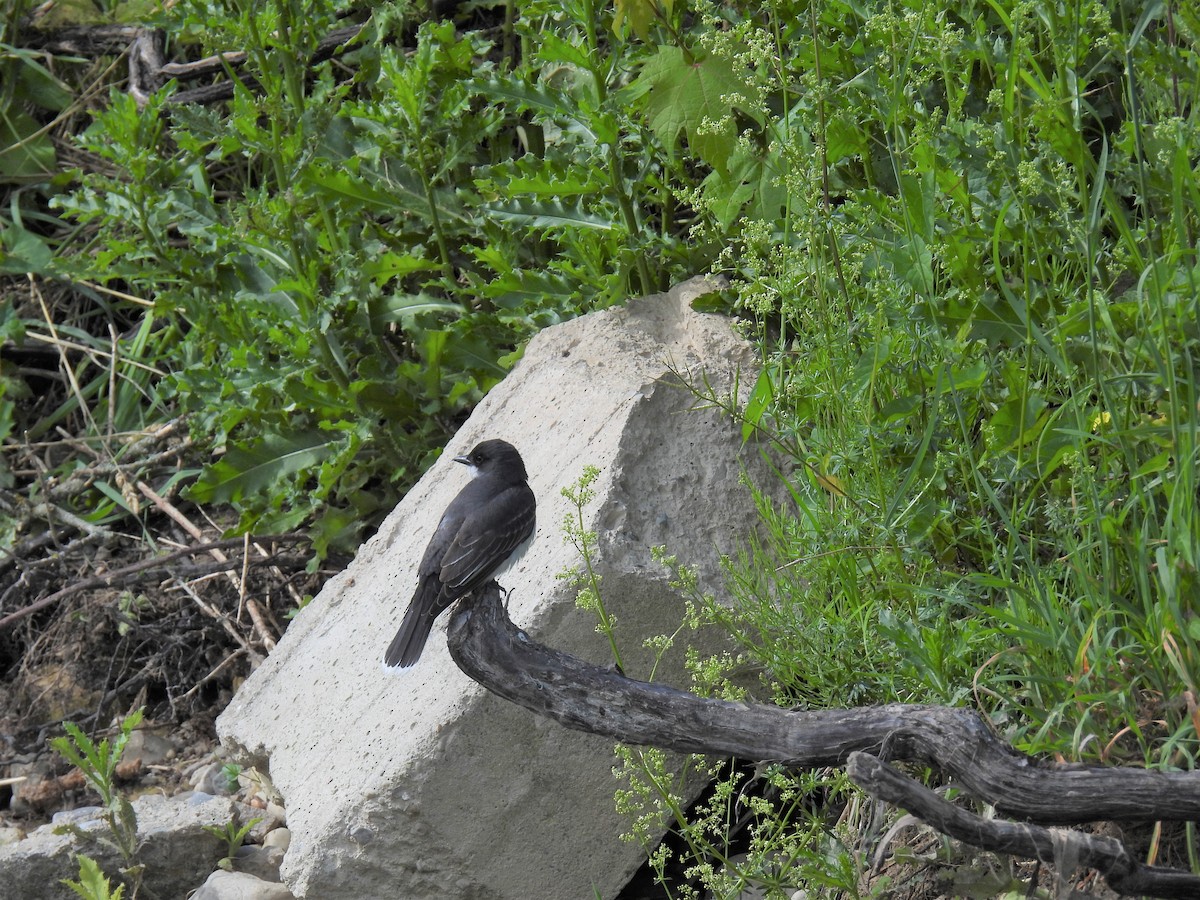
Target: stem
593,581
629,216
435,219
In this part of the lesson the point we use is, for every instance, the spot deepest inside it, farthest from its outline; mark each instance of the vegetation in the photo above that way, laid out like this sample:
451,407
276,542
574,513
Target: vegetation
962,234
234,836
93,884
98,762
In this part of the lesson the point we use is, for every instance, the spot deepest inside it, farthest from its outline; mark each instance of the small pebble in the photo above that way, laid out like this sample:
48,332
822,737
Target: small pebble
88,816
280,839
223,885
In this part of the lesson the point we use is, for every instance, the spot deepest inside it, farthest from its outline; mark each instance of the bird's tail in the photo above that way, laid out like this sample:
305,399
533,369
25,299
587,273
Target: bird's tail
409,641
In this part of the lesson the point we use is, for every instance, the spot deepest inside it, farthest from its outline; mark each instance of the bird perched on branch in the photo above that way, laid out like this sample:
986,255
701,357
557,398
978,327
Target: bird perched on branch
484,528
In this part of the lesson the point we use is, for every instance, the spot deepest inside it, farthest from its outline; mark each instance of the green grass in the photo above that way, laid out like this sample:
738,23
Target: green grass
977,304
980,327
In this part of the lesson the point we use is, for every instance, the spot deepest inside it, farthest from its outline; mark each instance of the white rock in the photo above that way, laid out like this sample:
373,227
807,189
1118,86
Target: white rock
419,784
278,839
152,749
172,842
223,885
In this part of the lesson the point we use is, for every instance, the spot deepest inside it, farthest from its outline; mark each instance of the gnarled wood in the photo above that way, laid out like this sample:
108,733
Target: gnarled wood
1057,847
489,648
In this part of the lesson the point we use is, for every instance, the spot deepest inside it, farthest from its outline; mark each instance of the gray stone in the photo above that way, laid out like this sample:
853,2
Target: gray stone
212,779
177,851
240,886
152,749
418,783
86,817
261,862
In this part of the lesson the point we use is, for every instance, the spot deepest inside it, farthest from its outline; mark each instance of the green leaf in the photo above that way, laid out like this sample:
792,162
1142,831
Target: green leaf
957,379
467,352
246,470
344,184
759,402
1154,465
526,96
695,96
751,183
547,214
721,303
399,193
23,251
26,152
532,287
37,83
93,884
399,307
383,268
534,175
552,48
634,15
872,361
1017,422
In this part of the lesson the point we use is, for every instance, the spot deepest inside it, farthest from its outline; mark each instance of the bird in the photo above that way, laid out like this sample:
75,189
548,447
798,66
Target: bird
485,527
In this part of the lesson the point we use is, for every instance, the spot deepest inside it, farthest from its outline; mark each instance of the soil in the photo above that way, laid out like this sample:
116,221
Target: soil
173,633
116,593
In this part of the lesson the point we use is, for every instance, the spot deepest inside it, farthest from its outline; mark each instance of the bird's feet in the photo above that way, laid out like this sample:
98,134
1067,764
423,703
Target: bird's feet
503,591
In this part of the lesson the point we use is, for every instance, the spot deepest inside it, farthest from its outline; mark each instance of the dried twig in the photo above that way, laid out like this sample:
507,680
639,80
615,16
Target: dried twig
123,574
264,633
221,667
212,612
260,624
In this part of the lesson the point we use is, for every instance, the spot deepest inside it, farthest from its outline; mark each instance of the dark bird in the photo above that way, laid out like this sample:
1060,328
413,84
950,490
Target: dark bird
487,524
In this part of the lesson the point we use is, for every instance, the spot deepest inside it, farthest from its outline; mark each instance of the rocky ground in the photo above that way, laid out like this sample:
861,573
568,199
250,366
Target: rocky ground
95,624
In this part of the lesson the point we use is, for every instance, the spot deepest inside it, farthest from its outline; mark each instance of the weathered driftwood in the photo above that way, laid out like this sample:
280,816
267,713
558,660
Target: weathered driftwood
1059,847
489,648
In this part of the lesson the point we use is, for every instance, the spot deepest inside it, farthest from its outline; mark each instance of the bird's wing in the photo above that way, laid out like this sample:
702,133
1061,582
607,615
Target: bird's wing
443,537
487,537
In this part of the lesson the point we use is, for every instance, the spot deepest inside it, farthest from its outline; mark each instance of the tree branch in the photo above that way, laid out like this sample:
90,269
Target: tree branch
1063,848
490,649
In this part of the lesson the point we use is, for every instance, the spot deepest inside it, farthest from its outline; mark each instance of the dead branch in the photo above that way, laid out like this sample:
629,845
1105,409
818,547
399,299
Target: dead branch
148,71
490,649
146,569
1060,847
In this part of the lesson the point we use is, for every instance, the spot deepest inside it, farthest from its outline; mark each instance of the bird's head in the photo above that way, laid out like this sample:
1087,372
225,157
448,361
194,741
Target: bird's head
496,458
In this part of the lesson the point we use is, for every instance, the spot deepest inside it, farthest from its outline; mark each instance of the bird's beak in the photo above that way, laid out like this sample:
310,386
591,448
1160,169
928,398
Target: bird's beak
465,460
